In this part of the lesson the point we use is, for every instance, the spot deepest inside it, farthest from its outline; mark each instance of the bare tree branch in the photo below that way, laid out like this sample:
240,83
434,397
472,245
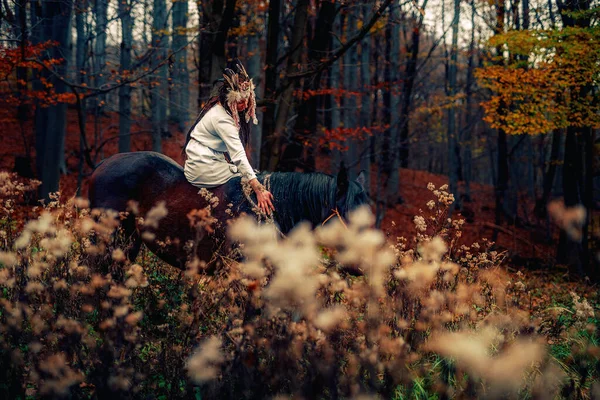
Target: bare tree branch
83,138
100,90
340,52
291,78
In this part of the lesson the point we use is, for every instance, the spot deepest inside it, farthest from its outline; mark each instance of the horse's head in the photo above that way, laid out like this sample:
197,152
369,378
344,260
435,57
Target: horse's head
350,194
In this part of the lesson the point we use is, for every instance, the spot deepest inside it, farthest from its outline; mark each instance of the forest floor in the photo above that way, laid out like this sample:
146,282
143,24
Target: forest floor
530,246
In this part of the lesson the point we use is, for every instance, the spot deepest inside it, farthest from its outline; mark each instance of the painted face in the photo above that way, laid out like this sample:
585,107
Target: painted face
242,105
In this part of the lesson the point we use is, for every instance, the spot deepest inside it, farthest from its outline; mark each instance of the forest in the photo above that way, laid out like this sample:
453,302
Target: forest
469,268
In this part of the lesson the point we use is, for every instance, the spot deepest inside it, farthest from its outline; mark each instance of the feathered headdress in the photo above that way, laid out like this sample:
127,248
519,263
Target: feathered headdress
240,88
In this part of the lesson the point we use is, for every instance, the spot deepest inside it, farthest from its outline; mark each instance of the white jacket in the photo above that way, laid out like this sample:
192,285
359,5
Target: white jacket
213,136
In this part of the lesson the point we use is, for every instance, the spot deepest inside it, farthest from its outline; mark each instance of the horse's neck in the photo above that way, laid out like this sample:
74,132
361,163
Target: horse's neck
314,198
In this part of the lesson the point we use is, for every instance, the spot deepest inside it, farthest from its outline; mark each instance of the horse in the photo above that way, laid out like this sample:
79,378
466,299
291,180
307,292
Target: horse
148,178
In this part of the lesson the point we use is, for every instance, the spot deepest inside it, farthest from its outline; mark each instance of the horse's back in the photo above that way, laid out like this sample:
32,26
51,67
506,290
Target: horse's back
133,176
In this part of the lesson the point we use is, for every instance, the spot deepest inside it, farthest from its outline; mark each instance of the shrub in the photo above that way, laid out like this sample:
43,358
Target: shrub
334,312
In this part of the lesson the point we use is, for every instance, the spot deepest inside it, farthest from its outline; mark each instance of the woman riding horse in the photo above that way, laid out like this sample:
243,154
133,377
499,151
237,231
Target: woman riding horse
219,130
149,178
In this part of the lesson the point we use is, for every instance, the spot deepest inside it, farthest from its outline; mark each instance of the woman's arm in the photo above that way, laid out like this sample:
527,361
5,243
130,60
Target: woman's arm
229,133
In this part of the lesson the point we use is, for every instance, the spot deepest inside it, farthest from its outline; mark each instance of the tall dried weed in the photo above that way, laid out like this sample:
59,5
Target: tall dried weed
335,312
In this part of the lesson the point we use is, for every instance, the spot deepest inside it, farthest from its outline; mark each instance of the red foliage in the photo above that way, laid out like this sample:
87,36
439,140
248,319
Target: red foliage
337,138
30,56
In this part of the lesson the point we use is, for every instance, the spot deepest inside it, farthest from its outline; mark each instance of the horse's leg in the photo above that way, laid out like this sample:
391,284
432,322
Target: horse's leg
125,238
131,237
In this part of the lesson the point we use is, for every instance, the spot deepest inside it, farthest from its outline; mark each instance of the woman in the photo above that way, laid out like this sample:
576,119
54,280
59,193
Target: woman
223,127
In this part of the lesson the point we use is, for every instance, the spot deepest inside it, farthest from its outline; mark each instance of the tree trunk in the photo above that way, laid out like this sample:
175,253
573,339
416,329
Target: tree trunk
219,46
180,82
217,17
529,161
270,82
407,89
589,261
540,206
125,91
551,15
382,142
515,170
471,126
306,123
37,36
502,158
255,72
145,96
101,15
211,12
386,121
81,55
351,87
572,252
22,78
55,18
569,251
159,91
233,44
365,110
287,99
334,106
81,46
452,91
525,5
502,178
392,186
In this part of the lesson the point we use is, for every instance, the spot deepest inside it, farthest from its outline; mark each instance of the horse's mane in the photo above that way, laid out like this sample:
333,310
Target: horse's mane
307,196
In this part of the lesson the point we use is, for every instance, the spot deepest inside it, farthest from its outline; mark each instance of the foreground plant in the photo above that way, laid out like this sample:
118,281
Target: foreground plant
422,315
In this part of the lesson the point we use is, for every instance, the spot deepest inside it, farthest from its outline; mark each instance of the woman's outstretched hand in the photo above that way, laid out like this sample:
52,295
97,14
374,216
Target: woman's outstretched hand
264,197
265,201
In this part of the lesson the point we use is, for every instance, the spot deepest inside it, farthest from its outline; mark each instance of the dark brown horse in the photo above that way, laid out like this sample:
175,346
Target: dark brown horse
149,178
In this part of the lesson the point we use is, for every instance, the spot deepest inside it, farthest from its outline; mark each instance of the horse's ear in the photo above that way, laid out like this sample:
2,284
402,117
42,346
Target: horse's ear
361,179
342,181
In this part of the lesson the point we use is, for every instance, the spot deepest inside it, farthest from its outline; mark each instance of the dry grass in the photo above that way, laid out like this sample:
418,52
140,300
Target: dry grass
335,312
